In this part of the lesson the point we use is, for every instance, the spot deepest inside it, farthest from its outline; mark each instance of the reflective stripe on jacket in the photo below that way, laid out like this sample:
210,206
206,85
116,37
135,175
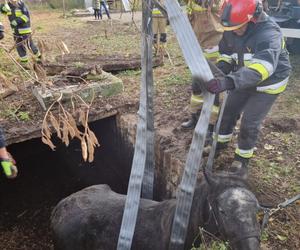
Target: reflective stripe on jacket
18,16
156,12
193,5
266,60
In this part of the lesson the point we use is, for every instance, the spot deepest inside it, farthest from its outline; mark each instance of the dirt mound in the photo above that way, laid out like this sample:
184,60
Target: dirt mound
284,125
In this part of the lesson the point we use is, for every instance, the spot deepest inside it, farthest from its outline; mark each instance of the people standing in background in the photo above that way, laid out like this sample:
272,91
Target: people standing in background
96,7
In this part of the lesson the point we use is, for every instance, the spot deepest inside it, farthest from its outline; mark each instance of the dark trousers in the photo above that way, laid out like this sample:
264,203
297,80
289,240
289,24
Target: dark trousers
97,13
253,107
102,4
25,41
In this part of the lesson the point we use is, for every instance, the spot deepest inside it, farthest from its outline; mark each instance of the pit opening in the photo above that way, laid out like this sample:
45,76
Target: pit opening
46,177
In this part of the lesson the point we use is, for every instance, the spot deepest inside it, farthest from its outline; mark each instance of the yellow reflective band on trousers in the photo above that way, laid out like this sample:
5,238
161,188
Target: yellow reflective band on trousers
196,99
224,138
261,69
38,54
244,153
24,31
24,59
215,109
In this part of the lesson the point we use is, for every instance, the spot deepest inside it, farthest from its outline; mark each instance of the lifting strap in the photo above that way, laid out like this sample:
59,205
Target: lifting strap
217,72
143,159
199,68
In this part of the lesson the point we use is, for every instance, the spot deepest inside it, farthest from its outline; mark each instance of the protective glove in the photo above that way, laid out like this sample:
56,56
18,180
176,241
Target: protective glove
9,168
218,85
14,23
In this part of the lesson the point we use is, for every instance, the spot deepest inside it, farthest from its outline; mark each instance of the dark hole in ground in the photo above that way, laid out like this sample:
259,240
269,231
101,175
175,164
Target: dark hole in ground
45,177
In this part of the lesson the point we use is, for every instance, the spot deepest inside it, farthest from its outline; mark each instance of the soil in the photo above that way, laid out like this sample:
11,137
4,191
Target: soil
274,172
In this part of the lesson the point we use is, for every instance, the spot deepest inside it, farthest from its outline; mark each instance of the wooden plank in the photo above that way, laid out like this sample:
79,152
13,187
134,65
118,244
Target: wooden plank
292,33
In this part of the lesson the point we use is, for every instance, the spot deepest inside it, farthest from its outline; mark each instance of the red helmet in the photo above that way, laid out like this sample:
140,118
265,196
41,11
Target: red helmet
236,13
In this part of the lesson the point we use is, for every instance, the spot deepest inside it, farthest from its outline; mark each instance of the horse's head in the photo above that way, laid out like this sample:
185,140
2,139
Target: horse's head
233,208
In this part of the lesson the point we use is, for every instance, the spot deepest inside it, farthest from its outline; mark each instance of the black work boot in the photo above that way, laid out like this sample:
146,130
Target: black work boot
240,166
191,123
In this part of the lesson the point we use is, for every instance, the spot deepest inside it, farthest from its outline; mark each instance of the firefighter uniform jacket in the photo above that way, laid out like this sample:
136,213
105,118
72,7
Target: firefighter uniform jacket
265,58
18,17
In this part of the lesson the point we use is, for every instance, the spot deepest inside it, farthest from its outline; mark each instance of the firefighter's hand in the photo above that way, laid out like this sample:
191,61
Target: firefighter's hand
9,169
218,85
8,164
14,23
196,85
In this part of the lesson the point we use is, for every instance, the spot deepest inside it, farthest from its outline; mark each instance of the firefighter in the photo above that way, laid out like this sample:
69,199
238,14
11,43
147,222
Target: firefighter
19,19
254,58
159,26
8,164
204,20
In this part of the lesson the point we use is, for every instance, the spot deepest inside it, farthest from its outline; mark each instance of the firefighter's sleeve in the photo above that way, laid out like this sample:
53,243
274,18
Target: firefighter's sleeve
24,16
4,8
263,63
2,139
224,61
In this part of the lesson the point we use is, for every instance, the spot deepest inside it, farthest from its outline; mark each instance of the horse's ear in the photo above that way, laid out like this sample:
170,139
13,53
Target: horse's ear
242,173
210,178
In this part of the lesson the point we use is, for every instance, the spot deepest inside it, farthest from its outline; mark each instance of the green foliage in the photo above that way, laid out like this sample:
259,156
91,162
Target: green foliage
214,245
23,116
78,64
178,79
264,236
16,114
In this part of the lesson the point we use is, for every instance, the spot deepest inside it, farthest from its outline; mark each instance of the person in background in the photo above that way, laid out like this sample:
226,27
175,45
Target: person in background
8,164
159,24
19,18
104,5
204,19
1,31
96,7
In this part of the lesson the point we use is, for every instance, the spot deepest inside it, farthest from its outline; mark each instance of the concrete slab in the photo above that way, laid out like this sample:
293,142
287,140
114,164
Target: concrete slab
100,85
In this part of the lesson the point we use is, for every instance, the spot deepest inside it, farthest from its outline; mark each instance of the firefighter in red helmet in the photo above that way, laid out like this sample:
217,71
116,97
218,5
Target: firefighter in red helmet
256,63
